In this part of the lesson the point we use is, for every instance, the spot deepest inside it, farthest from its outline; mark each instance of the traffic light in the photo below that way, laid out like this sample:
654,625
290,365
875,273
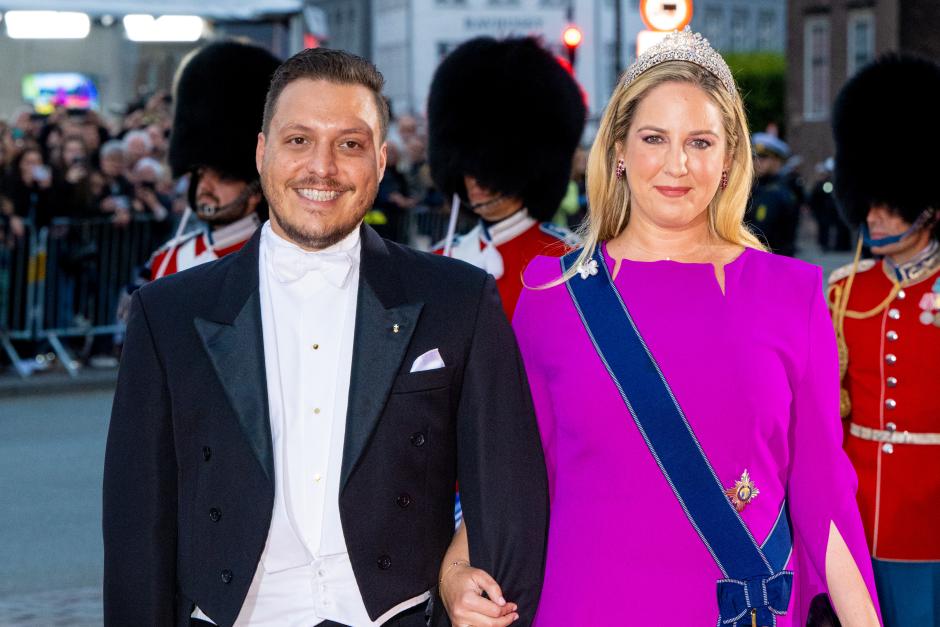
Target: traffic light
572,39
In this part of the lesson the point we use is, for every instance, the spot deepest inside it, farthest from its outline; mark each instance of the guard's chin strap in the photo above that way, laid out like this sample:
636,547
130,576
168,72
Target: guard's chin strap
236,207
926,216
487,203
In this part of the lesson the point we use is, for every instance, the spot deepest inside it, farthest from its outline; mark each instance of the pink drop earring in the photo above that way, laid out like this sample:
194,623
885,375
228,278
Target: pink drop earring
724,180
621,169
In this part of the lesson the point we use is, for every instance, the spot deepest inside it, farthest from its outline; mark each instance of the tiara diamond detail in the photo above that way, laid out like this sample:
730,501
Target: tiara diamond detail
683,45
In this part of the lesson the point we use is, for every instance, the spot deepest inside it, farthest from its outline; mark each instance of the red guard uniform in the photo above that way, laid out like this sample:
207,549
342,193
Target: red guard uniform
201,247
892,407
505,248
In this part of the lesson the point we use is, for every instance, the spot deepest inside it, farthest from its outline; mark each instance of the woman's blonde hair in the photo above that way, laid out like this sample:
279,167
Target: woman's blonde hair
609,197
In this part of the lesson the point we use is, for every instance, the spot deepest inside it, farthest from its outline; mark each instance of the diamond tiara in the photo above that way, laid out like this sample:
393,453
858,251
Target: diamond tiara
683,45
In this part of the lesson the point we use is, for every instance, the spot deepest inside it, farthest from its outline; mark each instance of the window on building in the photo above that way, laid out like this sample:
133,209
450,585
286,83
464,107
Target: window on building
712,26
816,68
739,30
504,3
861,39
451,3
766,22
554,4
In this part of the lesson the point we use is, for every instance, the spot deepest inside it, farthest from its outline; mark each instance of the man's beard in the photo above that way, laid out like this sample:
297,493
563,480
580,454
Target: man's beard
319,240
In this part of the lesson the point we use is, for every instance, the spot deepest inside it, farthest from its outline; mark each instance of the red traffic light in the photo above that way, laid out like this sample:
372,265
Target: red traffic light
572,37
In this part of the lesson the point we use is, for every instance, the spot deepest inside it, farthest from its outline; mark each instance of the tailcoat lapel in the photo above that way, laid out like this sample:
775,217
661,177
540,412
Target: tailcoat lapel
232,337
379,345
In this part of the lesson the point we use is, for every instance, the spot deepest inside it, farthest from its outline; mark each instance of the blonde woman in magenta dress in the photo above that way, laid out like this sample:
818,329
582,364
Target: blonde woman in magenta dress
743,340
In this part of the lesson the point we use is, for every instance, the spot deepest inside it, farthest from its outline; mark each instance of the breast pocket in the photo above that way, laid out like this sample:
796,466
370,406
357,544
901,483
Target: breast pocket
423,381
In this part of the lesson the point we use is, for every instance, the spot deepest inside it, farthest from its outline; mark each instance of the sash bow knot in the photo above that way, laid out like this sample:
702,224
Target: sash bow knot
768,595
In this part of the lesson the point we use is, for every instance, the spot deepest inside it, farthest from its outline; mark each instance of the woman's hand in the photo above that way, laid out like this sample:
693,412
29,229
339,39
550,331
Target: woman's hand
461,589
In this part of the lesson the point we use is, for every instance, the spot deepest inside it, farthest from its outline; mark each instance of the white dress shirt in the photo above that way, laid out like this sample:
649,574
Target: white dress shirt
308,320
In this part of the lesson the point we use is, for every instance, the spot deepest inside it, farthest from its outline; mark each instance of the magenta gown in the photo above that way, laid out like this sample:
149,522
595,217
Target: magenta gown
756,373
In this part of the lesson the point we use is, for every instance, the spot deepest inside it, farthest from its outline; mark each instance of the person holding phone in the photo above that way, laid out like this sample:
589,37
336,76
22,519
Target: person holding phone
30,186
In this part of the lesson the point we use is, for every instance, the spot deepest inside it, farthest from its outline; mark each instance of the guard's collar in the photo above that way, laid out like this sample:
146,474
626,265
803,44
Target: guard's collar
924,264
507,228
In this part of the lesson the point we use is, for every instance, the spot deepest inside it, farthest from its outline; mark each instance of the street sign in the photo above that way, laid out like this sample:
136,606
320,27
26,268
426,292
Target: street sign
666,15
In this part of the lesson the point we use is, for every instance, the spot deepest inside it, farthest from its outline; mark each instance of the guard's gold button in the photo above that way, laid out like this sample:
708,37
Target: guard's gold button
316,410
887,447
315,346
894,314
891,403
892,336
892,382
891,359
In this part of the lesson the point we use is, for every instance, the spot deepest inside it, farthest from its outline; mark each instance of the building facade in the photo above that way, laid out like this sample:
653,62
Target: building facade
408,38
742,25
828,41
412,36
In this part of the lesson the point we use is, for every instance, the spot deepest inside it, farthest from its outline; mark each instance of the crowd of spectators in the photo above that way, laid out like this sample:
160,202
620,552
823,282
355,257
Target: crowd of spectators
78,165
407,191
75,164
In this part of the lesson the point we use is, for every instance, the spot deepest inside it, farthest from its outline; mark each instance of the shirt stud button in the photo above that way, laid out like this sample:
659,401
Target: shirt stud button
417,439
384,562
215,514
403,501
316,410
315,347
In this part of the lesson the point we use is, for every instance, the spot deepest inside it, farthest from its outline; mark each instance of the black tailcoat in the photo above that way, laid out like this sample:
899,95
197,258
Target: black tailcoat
189,469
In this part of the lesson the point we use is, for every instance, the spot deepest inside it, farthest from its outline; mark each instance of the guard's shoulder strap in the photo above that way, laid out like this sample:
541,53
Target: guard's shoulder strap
843,272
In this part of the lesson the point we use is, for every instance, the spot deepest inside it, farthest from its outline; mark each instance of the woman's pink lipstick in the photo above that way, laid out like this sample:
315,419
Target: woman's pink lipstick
672,192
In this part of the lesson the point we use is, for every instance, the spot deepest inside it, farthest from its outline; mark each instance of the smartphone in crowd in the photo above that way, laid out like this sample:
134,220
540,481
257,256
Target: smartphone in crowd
41,173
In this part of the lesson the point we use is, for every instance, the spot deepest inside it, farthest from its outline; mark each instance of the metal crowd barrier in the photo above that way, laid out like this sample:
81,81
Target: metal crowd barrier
20,265
65,281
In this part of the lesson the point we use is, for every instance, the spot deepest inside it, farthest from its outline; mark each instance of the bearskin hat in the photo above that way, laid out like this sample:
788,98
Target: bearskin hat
508,114
886,129
219,95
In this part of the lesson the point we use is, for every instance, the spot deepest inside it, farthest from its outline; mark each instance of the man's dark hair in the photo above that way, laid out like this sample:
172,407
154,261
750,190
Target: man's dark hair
335,66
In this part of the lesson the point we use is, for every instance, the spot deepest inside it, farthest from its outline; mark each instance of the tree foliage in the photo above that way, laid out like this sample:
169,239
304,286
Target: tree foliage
761,77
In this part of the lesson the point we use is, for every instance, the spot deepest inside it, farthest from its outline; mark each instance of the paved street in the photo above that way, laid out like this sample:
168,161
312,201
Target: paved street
51,456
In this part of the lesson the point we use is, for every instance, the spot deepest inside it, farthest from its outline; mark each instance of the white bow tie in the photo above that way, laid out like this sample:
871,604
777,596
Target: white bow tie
291,264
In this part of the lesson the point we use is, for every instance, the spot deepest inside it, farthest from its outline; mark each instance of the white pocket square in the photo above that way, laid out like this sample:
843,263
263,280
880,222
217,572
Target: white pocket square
430,360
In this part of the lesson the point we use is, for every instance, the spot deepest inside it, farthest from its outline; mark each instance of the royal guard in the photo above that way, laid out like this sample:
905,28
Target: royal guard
886,312
504,121
219,104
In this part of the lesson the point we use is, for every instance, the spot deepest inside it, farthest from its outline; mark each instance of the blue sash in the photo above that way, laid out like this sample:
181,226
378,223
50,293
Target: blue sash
755,588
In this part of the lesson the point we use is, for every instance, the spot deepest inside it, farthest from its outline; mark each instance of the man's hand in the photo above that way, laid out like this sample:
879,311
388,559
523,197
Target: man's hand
461,590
